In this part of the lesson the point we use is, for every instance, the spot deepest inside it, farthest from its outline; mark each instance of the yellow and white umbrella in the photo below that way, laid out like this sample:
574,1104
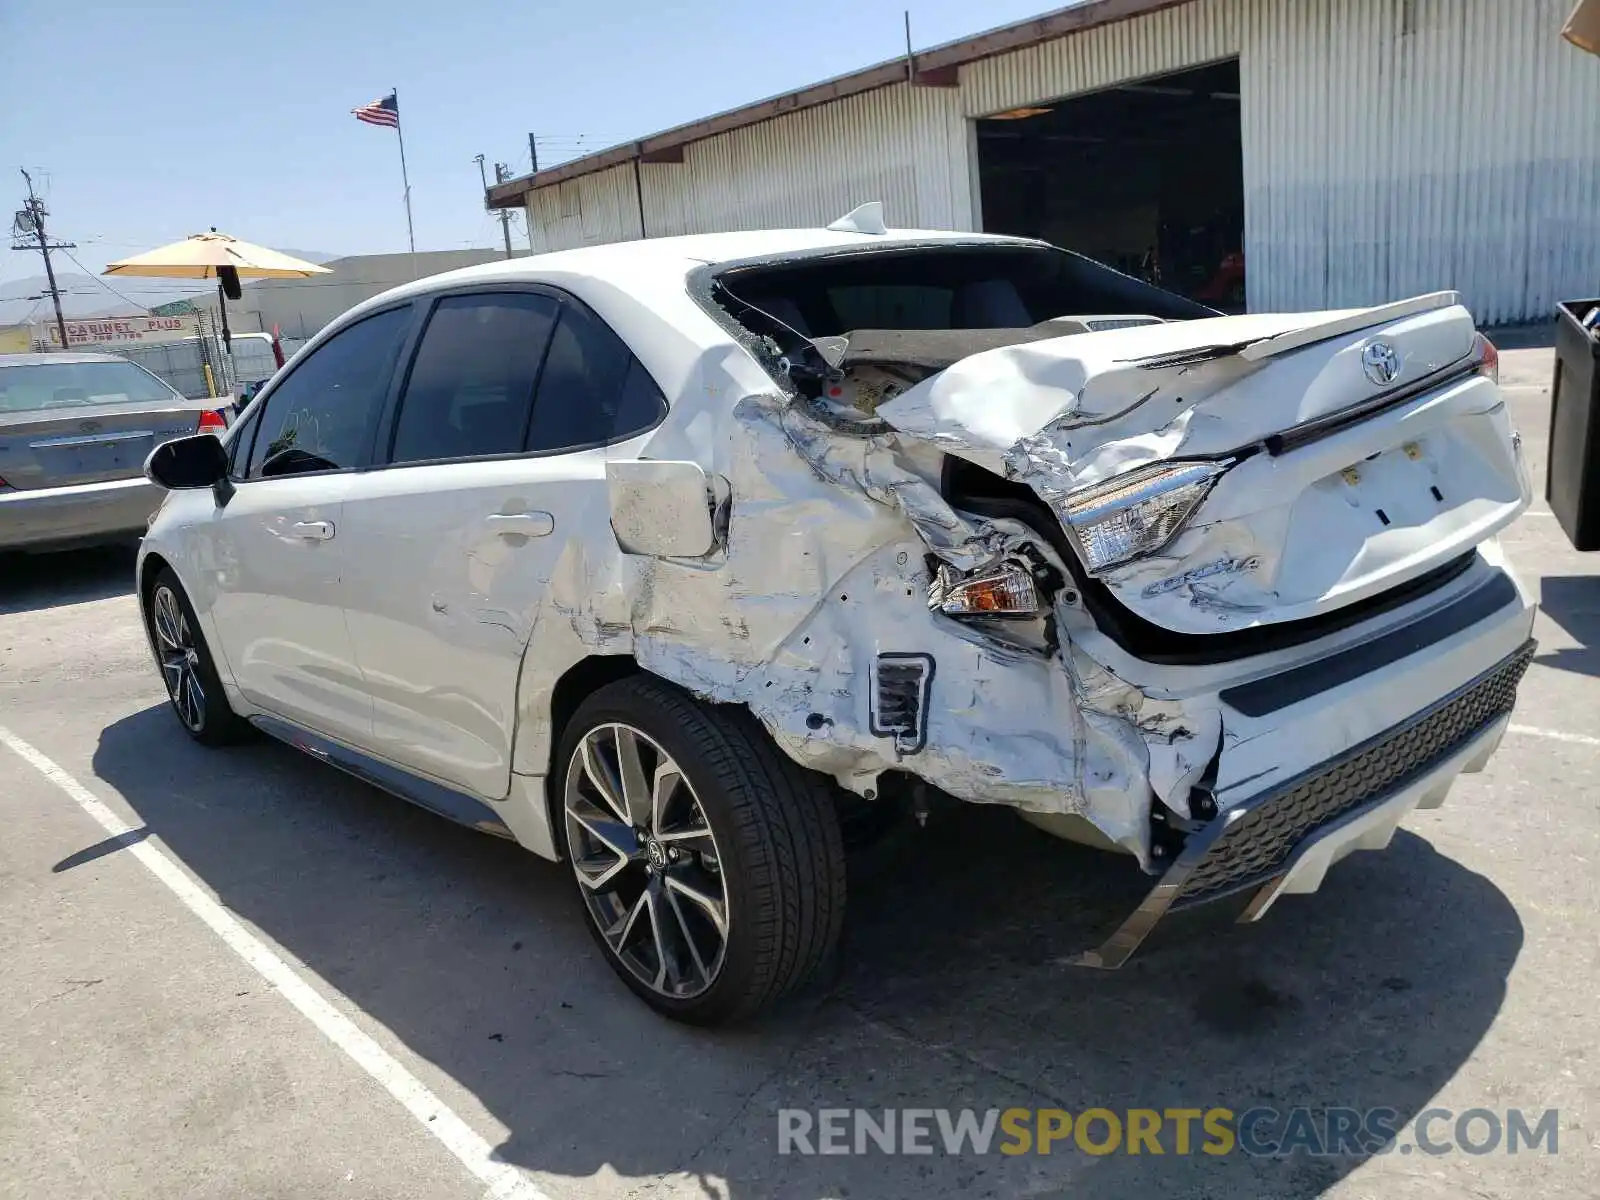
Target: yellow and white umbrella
210,255
216,256
1583,26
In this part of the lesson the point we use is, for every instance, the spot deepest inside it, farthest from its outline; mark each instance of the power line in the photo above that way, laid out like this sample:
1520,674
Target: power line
101,281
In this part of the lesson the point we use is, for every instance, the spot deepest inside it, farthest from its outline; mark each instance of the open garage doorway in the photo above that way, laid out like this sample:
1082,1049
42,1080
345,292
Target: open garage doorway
1147,177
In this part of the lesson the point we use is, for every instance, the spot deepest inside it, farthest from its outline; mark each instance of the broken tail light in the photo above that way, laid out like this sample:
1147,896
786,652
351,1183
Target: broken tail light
212,421
1485,357
1129,516
1007,591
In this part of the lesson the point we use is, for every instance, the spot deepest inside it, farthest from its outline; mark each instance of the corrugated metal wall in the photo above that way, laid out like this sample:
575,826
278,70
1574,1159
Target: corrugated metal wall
905,146
584,211
1398,146
1390,147
1098,58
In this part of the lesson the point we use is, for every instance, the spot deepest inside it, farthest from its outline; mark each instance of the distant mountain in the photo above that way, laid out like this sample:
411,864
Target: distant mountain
86,296
90,295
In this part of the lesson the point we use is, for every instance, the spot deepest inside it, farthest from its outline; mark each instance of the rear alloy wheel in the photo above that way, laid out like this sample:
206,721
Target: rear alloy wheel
710,866
647,860
186,666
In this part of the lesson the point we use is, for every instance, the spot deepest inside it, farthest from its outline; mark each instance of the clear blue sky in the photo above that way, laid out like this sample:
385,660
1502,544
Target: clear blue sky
146,122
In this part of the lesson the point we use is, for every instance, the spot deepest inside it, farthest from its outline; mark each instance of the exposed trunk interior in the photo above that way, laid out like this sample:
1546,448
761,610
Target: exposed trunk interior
1147,177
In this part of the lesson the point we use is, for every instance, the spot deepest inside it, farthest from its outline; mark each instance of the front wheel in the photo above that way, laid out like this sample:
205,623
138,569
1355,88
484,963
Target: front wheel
711,868
193,686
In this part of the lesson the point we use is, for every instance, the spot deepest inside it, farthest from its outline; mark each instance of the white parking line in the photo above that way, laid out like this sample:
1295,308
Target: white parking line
503,1180
1554,735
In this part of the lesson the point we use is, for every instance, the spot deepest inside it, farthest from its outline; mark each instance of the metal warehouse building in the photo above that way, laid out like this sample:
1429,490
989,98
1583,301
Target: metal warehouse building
1284,154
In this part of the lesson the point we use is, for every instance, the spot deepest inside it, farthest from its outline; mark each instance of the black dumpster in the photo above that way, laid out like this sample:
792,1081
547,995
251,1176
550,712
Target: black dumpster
1572,482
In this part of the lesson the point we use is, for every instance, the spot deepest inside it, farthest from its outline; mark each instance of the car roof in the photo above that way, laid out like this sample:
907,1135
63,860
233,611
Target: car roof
622,263
71,356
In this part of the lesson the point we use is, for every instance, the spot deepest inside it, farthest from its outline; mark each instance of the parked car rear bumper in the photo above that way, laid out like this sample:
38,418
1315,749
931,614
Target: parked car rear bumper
45,517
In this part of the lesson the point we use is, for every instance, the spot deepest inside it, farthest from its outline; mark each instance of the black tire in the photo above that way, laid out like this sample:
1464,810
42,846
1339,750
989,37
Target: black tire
776,833
217,724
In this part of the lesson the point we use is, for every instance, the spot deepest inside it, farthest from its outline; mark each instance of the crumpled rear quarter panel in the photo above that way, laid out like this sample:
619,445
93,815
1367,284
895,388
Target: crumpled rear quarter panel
823,570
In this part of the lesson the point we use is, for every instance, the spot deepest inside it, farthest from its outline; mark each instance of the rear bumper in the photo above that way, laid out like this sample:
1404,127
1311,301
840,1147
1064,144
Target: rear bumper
1284,839
51,516
1372,826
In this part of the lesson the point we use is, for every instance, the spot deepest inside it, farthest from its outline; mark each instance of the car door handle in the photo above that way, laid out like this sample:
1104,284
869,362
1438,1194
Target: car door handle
313,531
528,524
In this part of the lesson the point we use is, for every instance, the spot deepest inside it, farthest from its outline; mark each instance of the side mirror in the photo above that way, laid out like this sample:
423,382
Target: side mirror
196,461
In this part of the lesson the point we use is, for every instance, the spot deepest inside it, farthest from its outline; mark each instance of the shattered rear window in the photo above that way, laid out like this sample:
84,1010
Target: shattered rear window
996,286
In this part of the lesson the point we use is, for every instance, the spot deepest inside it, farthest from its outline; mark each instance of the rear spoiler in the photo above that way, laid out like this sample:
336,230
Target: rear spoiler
1361,318
1293,339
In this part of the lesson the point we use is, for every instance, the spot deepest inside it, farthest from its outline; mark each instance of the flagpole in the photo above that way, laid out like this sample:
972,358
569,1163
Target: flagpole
406,179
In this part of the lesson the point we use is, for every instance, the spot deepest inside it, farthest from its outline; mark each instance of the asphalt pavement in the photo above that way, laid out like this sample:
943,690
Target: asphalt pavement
239,973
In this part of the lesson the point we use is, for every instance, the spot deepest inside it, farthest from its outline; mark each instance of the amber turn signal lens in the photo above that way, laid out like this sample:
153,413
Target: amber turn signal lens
1008,591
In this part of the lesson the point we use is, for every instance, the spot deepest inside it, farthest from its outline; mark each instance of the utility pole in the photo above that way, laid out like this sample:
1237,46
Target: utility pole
501,174
533,169
27,233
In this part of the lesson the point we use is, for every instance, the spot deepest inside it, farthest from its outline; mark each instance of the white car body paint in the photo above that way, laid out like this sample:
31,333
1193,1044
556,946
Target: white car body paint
459,633
1073,411
441,595
270,592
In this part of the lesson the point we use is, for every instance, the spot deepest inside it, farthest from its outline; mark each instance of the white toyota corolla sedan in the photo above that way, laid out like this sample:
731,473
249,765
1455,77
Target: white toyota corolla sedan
662,558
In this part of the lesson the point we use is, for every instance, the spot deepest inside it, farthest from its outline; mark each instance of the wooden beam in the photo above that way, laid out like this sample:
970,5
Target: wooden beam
943,77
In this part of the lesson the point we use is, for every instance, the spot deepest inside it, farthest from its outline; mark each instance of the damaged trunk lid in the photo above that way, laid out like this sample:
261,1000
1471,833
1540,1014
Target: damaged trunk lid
1329,457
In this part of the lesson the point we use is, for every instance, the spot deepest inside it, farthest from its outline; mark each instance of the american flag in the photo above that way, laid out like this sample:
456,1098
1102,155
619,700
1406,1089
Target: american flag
380,112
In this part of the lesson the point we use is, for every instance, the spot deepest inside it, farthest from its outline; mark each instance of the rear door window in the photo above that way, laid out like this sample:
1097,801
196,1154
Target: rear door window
593,391
470,392
321,416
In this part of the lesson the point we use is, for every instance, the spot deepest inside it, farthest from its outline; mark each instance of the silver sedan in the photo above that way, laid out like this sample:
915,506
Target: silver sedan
75,430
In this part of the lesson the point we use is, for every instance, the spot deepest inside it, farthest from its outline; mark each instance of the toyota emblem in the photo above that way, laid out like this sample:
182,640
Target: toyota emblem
1380,362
